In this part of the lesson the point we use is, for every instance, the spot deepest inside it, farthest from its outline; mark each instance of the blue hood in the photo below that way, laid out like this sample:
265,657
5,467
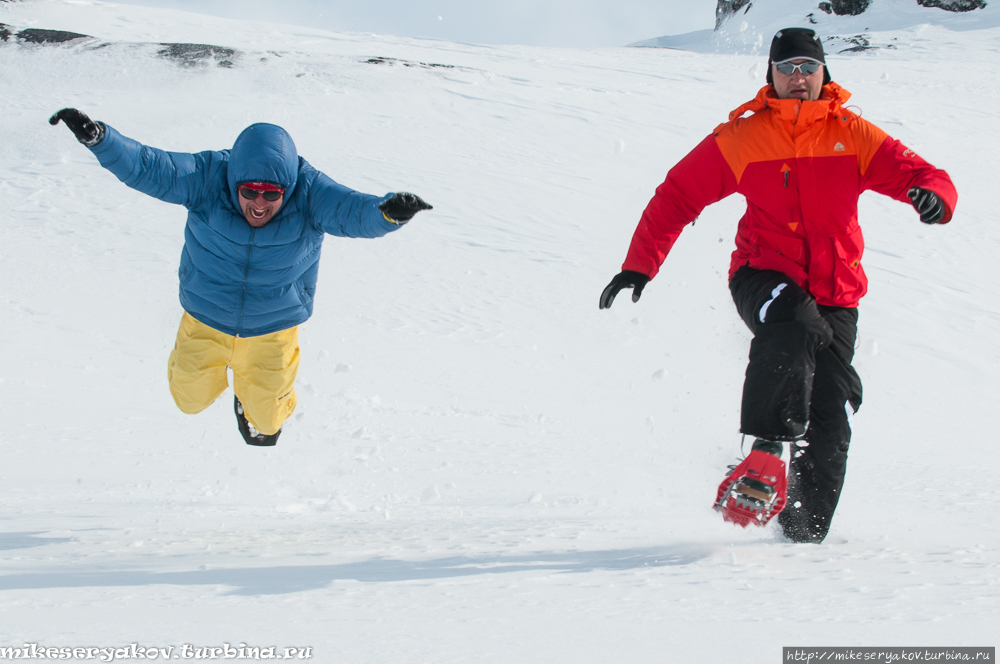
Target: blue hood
263,153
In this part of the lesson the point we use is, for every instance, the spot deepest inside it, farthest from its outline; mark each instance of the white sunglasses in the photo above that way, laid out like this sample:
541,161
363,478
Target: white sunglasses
806,68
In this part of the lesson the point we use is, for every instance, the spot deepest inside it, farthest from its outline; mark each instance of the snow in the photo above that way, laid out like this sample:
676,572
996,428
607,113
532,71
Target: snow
483,466
573,23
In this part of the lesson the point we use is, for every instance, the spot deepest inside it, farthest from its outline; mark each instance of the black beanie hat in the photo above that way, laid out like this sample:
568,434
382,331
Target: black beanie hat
792,43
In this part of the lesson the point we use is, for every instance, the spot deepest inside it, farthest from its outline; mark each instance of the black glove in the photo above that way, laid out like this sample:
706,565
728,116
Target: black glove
928,204
402,206
626,279
86,130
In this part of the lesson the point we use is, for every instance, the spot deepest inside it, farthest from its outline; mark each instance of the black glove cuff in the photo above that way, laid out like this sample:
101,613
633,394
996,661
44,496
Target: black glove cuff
96,139
395,222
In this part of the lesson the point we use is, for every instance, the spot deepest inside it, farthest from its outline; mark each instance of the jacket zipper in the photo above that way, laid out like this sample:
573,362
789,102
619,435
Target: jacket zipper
246,274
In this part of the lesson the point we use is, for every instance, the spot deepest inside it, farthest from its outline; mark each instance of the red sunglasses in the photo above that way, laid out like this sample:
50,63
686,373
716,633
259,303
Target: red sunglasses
270,192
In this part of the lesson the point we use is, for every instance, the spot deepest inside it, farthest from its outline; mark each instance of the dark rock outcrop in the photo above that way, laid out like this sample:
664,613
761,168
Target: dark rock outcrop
849,7
953,5
858,44
192,55
38,36
379,60
186,55
726,8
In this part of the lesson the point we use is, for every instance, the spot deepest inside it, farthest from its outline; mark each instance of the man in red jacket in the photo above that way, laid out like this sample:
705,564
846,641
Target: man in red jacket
801,160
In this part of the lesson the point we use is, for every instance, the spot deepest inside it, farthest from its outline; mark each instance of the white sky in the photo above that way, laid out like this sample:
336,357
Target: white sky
575,23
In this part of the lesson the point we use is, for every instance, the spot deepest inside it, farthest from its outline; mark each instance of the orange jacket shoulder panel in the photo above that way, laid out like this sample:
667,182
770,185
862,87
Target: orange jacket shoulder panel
757,138
868,139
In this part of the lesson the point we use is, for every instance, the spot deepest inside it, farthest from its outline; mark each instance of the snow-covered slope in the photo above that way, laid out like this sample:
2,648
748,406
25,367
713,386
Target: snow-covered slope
484,467
750,28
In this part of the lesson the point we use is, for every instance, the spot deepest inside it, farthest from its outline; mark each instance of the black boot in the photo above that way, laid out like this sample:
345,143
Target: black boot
251,435
798,521
815,478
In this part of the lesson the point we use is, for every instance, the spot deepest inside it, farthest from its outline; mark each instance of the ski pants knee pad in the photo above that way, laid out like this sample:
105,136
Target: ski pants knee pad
264,370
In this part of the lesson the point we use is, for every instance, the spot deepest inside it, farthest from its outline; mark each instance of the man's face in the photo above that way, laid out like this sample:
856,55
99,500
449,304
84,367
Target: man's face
798,85
258,210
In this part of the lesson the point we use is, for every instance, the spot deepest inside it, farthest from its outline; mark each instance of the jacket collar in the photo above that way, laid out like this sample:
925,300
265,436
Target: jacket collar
831,102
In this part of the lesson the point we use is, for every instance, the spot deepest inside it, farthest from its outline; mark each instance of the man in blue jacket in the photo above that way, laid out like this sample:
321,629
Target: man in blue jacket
257,216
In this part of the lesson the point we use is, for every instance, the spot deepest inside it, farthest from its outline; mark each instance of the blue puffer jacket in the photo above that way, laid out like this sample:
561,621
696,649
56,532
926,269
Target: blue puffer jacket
238,279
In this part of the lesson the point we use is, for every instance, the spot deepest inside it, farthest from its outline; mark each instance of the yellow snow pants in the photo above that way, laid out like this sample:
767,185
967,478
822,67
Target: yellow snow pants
263,367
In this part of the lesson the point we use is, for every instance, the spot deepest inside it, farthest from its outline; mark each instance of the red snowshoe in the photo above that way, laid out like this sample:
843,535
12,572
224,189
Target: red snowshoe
756,490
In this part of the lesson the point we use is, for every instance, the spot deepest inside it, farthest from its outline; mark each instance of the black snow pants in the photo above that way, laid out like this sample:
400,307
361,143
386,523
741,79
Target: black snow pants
800,387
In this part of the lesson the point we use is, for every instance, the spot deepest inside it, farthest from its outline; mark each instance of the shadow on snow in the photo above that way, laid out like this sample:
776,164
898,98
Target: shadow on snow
27,540
289,578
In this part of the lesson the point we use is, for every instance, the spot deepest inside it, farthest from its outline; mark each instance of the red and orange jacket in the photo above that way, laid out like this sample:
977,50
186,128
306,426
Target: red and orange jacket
801,166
